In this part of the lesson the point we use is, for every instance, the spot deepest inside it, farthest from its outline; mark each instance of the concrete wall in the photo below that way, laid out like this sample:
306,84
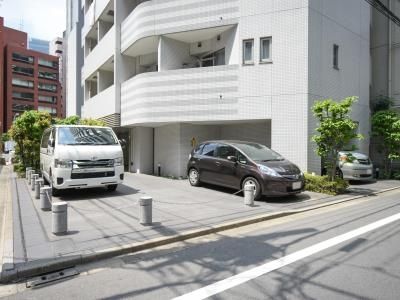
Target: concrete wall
142,154
173,143
348,28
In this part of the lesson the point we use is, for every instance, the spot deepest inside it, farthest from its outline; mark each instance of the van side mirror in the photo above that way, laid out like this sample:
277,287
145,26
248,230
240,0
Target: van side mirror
232,158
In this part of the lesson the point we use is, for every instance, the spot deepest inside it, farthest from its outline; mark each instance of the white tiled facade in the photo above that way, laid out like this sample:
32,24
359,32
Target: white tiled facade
145,71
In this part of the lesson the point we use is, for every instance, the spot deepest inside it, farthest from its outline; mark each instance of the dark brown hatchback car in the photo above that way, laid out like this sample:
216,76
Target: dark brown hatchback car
235,164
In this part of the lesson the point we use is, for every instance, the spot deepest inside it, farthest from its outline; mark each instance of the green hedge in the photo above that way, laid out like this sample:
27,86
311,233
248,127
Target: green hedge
321,184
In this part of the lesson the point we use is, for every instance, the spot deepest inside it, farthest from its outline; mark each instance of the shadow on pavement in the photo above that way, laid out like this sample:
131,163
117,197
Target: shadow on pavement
98,193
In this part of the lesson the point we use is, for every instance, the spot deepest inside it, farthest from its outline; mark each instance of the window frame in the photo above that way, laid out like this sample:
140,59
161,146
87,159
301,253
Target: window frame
335,56
269,59
244,61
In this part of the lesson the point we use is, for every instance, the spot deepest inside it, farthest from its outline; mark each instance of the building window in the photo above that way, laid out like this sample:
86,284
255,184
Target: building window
265,49
248,49
47,75
22,70
47,87
48,99
336,57
47,63
22,83
50,110
23,58
23,96
216,58
17,107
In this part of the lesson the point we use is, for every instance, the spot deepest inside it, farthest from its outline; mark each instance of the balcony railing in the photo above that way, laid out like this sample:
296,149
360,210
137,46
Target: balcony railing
198,94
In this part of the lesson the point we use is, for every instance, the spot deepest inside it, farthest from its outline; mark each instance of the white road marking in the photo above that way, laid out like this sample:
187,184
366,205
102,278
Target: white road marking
243,277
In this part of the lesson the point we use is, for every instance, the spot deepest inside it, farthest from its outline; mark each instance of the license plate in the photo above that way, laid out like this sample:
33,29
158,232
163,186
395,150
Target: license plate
369,171
296,185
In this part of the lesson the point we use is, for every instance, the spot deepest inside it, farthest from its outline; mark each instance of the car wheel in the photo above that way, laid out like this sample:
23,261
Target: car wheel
194,177
112,187
257,189
339,173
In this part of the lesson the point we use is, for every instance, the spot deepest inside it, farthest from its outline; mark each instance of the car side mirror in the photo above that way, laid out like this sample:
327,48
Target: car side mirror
232,158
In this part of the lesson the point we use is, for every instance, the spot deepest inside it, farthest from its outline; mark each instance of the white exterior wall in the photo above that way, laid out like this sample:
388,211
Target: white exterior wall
349,29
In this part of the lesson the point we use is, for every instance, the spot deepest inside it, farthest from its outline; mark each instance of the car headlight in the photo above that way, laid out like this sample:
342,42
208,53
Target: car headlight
63,163
118,161
268,171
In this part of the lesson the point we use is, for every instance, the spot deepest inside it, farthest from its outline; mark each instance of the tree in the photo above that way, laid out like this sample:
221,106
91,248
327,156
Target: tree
336,130
27,132
75,120
386,128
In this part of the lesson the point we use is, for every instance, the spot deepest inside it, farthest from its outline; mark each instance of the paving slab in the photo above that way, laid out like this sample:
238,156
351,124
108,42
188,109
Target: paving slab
99,220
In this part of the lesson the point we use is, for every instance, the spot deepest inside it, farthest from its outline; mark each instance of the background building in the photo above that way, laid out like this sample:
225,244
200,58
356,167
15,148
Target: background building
38,45
385,54
29,79
56,48
73,58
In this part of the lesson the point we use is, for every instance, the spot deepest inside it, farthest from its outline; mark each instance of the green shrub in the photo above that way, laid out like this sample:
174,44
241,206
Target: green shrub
396,175
322,184
19,169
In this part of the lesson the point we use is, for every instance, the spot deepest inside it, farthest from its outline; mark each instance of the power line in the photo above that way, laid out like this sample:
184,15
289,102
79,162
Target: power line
379,6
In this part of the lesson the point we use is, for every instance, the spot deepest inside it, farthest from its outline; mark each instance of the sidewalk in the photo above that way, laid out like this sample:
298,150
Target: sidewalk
104,224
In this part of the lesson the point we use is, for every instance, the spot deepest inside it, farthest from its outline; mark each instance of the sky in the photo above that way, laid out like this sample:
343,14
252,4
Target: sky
42,19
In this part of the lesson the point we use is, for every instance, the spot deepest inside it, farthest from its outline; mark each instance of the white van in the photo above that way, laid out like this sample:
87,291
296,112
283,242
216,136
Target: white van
79,156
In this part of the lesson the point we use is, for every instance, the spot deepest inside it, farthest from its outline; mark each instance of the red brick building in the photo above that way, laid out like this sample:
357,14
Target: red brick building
28,79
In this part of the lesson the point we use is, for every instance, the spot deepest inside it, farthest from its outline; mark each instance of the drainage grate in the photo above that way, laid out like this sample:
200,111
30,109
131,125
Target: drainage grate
51,277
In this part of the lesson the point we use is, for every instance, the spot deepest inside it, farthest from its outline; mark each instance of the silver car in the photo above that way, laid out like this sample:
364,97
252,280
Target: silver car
355,166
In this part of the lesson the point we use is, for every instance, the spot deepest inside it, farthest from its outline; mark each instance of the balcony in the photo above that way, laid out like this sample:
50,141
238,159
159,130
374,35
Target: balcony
101,105
184,95
152,18
100,54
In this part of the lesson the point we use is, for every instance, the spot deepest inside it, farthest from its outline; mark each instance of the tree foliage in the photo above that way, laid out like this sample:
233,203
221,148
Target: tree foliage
27,131
386,128
336,130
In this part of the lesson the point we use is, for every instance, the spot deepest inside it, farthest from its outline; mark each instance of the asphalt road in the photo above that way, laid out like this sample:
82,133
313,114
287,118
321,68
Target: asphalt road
347,251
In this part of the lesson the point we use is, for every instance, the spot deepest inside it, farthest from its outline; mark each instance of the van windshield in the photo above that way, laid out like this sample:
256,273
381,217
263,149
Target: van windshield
86,136
259,152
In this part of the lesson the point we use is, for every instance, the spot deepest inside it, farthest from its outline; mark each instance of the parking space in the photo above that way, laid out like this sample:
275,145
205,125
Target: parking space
99,219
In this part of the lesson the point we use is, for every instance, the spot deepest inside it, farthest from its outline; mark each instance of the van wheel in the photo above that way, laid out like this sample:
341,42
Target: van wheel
54,192
194,177
257,189
112,187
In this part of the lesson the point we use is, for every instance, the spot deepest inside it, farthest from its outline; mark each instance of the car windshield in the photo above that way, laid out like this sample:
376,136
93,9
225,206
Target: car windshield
86,136
259,152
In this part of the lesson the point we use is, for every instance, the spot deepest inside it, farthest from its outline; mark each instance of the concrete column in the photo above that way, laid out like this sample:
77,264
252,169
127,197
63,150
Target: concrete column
45,198
38,184
33,180
146,209
143,150
59,217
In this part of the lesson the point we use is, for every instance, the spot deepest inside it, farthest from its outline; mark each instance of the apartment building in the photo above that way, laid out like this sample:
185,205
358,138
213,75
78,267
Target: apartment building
29,79
170,74
56,48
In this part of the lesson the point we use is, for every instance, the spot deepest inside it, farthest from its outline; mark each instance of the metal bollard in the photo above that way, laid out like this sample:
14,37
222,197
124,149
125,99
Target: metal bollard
146,207
249,194
30,172
59,217
33,179
26,172
45,198
38,184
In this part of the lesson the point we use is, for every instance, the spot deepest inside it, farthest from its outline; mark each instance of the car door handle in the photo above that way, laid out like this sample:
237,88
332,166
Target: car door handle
217,163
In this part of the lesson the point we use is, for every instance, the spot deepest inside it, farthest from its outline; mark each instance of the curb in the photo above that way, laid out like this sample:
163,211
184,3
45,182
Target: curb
37,267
